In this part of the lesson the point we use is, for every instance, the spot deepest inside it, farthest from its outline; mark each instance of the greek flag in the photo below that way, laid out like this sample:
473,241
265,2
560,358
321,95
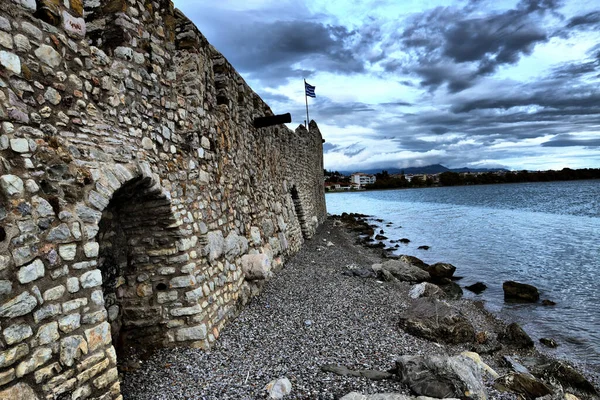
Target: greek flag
310,90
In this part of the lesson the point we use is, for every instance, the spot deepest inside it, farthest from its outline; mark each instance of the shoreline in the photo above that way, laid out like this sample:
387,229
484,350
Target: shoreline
311,314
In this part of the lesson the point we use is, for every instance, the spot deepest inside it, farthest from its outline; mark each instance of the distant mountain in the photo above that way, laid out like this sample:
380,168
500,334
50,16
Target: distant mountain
428,169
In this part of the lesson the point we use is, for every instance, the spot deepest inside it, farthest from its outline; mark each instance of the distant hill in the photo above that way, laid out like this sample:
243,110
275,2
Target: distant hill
428,169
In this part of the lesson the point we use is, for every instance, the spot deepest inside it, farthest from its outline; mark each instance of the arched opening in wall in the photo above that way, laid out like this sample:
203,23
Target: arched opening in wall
299,212
137,237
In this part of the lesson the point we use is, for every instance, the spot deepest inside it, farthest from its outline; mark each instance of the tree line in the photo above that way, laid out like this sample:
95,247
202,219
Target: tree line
385,181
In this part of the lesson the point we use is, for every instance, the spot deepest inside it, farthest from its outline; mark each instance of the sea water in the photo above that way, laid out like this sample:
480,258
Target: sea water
544,234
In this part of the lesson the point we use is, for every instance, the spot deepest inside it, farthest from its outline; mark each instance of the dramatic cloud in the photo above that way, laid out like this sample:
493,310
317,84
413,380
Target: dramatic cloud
475,83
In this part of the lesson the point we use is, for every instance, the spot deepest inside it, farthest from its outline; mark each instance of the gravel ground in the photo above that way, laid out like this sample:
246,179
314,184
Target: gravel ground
308,315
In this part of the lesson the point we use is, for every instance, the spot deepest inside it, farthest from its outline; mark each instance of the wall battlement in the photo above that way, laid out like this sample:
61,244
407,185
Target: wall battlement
138,204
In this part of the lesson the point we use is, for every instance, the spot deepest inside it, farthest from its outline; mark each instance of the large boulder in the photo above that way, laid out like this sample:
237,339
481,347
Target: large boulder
425,289
398,270
515,291
565,374
437,321
514,335
441,376
412,260
441,270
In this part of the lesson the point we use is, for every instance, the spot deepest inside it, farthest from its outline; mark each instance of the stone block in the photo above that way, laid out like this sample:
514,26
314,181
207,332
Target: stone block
18,306
16,333
91,249
178,312
72,285
106,379
12,355
182,281
48,55
47,311
75,27
91,279
20,391
19,145
197,332
215,245
256,266
11,185
39,357
46,334
98,336
74,304
68,251
10,61
54,293
71,349
31,272
7,376
69,323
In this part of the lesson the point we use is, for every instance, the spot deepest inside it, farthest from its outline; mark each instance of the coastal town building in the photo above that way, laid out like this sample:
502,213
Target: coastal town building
362,179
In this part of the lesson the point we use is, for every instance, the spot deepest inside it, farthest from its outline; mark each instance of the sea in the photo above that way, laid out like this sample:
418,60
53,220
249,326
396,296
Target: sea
546,234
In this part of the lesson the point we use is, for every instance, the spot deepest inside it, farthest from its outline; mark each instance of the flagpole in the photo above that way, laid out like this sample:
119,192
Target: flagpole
306,99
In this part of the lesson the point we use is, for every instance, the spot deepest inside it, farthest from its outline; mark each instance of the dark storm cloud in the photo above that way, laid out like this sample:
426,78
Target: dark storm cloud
457,47
570,141
568,103
263,48
588,21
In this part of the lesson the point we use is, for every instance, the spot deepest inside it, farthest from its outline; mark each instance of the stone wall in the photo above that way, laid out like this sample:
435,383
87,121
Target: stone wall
138,205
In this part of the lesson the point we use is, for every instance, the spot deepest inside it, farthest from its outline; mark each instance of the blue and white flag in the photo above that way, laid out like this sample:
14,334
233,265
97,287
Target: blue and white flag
310,90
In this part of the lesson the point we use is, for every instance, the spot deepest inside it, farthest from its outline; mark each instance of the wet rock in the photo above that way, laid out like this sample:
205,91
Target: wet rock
417,262
399,270
515,365
516,291
441,270
452,290
380,237
404,240
441,377
437,321
426,289
549,342
547,302
423,248
565,374
477,288
514,335
524,384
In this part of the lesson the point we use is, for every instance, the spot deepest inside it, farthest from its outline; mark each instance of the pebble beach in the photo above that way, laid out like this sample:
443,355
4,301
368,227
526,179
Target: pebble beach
311,314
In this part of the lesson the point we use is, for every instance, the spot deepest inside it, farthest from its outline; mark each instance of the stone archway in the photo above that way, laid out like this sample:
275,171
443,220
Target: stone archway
136,227
139,252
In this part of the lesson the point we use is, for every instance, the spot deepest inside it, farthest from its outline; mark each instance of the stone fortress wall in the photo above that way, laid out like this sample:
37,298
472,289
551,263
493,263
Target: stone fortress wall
138,204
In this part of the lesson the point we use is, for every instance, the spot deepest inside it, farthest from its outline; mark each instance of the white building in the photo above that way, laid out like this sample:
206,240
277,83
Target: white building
362,179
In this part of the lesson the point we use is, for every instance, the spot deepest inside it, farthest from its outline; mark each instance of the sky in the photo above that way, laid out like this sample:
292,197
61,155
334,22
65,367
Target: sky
473,83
